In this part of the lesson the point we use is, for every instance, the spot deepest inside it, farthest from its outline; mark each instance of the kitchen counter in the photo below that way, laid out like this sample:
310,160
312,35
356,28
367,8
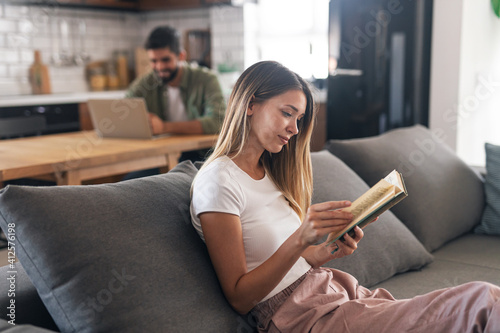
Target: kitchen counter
80,97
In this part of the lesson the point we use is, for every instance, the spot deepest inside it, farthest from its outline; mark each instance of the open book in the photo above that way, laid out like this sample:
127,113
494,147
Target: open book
382,196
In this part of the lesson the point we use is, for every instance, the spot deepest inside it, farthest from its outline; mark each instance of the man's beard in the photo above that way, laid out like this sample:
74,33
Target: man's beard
172,75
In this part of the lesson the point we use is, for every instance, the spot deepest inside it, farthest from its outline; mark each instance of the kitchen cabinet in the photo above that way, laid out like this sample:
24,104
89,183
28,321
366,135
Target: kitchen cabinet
218,2
109,4
179,4
141,5
62,112
61,2
123,4
169,4
84,117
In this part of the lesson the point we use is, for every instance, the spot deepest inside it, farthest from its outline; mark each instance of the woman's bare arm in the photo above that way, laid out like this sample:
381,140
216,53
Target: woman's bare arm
243,289
318,255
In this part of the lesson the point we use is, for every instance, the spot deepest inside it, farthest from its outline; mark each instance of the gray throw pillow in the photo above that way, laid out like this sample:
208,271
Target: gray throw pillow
387,248
445,196
118,257
490,222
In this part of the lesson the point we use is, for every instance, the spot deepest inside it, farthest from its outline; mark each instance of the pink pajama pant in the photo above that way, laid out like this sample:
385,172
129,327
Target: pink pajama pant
328,300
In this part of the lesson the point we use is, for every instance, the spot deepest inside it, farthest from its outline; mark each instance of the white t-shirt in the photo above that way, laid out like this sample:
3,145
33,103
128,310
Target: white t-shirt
267,219
175,110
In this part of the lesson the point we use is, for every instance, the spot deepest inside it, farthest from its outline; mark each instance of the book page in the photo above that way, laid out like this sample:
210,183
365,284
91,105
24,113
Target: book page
393,178
379,194
382,196
374,197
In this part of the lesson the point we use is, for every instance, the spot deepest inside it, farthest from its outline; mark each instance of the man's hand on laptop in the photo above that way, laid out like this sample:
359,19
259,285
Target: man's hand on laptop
156,123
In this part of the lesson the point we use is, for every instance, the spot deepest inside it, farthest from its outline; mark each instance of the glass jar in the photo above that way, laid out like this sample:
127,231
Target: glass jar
97,79
121,58
112,80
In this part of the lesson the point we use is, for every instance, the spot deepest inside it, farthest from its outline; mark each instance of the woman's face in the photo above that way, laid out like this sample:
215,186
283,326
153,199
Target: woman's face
275,121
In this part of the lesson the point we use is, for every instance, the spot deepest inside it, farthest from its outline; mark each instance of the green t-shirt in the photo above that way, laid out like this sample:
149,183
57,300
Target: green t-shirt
200,91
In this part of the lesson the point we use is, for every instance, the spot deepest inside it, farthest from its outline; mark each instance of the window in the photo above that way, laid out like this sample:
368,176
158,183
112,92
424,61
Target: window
294,33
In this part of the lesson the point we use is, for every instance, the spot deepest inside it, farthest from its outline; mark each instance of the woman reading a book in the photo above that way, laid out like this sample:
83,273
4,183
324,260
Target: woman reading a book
251,206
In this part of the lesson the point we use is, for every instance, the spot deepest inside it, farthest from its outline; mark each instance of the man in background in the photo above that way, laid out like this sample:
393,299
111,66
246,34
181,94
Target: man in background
181,99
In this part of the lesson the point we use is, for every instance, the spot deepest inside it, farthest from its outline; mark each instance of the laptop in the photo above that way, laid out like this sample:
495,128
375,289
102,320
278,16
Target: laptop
121,118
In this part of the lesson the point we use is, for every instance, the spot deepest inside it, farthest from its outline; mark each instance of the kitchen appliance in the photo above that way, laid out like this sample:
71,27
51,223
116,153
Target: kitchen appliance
379,66
21,121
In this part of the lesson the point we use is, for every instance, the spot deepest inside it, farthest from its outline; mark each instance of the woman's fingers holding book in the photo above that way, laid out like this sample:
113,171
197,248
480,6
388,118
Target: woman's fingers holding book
349,244
317,224
327,218
358,234
330,210
330,205
321,220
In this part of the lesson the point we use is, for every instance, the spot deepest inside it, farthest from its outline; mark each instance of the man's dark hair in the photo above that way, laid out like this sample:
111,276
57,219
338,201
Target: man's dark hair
162,37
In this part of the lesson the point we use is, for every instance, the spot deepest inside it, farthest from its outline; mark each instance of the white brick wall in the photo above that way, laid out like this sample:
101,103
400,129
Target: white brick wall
228,37
24,29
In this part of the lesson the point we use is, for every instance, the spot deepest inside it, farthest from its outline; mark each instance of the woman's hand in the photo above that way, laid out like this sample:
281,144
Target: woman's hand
344,246
318,255
322,219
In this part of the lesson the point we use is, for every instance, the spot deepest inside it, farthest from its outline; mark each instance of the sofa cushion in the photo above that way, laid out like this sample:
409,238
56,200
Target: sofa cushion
490,222
118,257
468,258
437,275
445,196
473,249
387,248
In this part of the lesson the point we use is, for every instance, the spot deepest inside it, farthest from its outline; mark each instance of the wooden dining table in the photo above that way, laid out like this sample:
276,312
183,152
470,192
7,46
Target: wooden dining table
71,158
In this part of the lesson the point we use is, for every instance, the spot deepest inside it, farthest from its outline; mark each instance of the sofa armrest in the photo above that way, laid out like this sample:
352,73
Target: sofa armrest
480,171
29,308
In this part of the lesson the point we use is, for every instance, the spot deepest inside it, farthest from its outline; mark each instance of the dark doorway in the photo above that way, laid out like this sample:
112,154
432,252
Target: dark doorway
379,66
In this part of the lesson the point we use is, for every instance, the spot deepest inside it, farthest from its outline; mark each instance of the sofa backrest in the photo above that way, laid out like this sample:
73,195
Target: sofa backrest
445,196
119,257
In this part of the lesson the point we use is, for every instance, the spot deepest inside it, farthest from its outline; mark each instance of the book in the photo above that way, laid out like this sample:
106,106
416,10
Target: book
379,198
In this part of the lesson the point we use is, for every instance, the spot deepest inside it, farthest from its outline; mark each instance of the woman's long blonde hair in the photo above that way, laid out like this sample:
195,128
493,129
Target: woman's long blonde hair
290,169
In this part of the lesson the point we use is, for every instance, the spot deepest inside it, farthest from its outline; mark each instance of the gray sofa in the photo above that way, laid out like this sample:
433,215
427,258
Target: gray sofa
124,257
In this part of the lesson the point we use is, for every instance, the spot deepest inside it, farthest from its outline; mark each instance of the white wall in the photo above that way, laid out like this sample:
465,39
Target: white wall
445,63
479,90
465,76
